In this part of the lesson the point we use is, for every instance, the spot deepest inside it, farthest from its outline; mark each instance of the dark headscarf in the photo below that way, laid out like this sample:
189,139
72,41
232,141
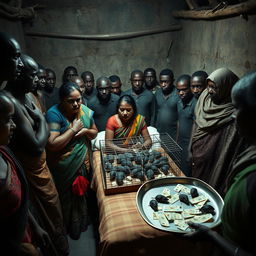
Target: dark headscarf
210,116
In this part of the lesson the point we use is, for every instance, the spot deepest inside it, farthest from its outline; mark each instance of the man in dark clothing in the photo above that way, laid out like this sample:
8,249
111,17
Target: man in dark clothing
104,104
116,85
186,106
150,80
166,104
51,93
90,90
145,99
198,82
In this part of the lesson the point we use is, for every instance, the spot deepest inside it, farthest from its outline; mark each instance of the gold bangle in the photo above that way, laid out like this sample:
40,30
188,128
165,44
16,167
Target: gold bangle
72,129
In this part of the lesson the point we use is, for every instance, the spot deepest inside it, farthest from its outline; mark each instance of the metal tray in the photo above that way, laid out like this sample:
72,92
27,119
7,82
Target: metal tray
154,187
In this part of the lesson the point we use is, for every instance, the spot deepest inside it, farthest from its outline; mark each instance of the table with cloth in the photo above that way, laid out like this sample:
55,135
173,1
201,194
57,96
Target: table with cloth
123,231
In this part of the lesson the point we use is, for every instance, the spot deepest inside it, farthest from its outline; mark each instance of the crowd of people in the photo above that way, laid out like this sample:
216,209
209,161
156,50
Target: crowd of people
46,133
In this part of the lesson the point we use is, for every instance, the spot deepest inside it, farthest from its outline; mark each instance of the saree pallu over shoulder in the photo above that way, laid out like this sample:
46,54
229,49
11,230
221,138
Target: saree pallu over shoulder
65,163
133,129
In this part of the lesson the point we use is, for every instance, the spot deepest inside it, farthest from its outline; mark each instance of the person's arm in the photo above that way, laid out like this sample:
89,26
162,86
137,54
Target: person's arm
153,111
40,235
147,139
33,138
90,133
58,141
205,232
109,136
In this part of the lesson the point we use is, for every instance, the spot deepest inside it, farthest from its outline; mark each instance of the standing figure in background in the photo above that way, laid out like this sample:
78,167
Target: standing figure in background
116,85
145,99
11,64
215,140
150,80
90,90
51,93
28,145
186,107
198,82
166,104
80,82
68,73
103,104
71,130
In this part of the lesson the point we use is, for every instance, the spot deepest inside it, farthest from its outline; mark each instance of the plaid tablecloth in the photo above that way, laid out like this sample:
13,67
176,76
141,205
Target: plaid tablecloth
124,232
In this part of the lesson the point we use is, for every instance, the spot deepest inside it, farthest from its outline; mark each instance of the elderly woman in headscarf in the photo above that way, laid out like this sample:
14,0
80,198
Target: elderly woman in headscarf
215,140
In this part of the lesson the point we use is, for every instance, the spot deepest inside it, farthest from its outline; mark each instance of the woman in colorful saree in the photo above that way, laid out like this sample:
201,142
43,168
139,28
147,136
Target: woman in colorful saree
71,129
126,123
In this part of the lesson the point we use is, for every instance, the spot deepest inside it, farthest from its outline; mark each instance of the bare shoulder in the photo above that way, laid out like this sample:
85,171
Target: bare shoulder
3,168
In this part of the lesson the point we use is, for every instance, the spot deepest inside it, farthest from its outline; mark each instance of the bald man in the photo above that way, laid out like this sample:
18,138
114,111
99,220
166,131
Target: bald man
10,64
145,99
104,104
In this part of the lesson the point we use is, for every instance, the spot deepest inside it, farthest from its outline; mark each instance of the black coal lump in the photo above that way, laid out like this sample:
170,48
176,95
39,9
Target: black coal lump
134,172
151,159
105,159
154,205
120,168
150,174
140,176
165,169
155,169
157,154
126,170
123,162
164,158
207,209
119,158
120,178
194,192
184,199
157,163
129,163
135,166
112,175
162,199
147,166
111,158
108,167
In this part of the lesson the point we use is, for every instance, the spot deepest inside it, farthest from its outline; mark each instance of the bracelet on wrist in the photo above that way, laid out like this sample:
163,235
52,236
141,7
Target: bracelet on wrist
72,129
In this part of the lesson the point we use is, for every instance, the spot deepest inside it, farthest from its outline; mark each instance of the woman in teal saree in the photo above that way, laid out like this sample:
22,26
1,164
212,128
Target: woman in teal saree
71,129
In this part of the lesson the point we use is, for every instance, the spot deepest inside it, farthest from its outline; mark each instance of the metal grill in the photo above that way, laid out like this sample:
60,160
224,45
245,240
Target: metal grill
139,164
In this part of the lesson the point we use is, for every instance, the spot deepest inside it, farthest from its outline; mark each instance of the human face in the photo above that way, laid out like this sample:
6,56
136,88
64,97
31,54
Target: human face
70,74
13,64
183,89
50,81
41,78
197,85
7,125
73,102
125,111
80,83
165,82
104,91
214,91
89,84
137,81
150,79
116,87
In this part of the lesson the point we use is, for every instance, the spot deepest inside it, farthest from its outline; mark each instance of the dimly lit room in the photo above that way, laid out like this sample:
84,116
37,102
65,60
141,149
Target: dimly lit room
127,127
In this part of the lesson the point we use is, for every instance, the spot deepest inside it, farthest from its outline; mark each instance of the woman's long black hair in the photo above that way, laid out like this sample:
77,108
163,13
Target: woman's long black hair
130,100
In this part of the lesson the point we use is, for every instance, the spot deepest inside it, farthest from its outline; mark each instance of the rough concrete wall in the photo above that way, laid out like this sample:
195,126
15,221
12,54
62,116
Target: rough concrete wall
209,45
14,28
102,17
